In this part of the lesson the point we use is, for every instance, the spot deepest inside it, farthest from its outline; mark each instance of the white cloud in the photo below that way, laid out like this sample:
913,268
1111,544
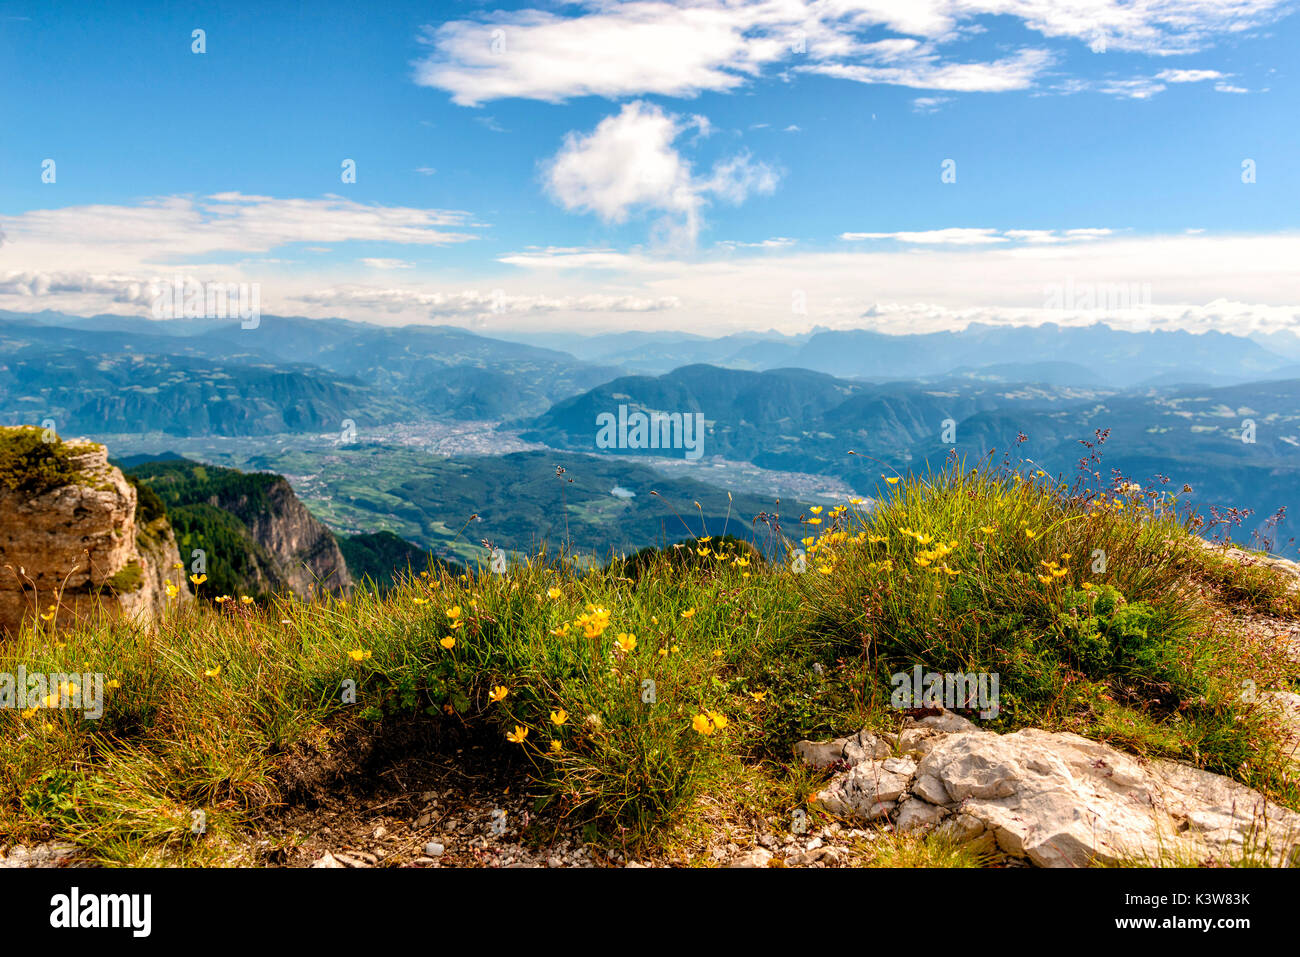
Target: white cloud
387,263
626,48
475,303
929,104
1188,76
954,236
1236,283
776,242
630,162
1145,87
177,229
939,285
967,236
924,69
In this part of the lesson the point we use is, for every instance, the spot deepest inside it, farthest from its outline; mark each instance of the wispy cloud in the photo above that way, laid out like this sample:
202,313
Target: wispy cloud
626,48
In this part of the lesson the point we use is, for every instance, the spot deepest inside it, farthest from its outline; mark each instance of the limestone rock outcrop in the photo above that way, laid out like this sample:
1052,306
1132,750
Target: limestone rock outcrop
78,545
1053,799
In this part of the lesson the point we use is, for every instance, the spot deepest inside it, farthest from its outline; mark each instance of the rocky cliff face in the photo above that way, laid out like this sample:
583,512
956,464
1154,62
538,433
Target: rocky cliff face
306,551
256,537
70,538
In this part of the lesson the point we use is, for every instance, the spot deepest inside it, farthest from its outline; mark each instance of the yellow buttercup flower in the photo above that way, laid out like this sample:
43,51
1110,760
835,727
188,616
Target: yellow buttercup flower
689,613
702,724
758,695
553,593
454,612
198,579
559,717
518,736
213,672
357,654
625,641
246,599
815,509
556,747
449,642
719,720
171,589
420,601
891,479
498,693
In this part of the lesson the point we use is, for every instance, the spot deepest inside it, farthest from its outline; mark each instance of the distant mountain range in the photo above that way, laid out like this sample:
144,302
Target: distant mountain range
847,404
1236,446
1096,355
112,374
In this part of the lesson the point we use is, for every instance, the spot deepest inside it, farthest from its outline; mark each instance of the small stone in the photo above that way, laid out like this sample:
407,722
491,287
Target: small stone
433,849
328,860
380,833
758,857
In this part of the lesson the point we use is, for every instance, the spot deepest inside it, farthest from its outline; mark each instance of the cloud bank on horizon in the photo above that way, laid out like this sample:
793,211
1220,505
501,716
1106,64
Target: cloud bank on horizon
904,165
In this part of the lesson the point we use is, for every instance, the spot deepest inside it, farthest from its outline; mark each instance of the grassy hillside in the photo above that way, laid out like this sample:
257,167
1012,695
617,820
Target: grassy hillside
220,709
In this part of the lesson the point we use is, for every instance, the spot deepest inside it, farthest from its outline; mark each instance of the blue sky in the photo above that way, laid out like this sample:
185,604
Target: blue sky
638,165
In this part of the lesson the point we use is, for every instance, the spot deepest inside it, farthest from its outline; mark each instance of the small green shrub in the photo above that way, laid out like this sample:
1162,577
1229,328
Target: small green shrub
32,466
